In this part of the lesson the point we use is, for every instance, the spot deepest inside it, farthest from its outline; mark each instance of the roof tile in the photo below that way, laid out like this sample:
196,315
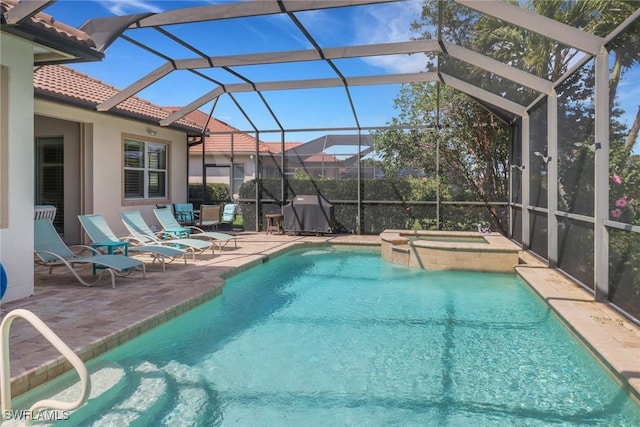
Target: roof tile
49,23
67,84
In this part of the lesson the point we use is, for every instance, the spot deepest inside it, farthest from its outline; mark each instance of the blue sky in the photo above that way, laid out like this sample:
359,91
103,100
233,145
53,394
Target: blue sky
297,109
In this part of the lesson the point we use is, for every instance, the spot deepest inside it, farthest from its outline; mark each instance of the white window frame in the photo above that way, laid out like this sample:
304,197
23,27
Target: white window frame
147,143
237,178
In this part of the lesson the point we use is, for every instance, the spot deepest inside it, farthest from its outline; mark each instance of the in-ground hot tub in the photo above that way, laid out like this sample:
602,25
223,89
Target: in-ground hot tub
450,250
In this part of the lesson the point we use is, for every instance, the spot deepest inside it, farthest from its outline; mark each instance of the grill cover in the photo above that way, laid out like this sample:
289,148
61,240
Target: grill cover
308,213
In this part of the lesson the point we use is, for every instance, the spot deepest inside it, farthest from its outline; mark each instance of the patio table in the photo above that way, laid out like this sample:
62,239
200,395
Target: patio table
112,247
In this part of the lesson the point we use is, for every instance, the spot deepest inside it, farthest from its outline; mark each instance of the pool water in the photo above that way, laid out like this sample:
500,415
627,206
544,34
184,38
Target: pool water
343,338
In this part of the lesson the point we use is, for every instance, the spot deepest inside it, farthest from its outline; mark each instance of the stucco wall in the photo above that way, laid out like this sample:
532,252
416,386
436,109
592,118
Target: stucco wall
16,241
221,174
101,151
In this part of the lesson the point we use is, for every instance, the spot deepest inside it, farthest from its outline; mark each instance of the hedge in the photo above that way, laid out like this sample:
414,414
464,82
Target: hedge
377,213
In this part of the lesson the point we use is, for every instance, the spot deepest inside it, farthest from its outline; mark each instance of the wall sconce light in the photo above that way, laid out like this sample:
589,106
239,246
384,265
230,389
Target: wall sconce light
151,132
544,157
592,147
519,167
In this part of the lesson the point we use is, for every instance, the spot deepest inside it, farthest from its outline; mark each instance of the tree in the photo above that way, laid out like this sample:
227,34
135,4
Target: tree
473,142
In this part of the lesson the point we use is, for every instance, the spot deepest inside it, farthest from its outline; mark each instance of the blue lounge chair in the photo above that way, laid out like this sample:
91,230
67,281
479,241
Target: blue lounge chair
184,213
171,227
141,232
52,251
99,232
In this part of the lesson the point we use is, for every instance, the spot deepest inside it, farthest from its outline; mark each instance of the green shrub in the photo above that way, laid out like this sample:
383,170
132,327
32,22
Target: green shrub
377,214
215,193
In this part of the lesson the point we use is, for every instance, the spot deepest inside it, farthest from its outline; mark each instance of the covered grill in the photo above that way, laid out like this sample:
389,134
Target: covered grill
308,213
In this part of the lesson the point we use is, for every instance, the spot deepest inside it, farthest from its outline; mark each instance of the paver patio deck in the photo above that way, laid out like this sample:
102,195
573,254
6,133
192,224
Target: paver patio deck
96,319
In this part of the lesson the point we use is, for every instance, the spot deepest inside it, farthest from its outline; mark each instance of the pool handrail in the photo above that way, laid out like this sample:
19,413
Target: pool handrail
5,372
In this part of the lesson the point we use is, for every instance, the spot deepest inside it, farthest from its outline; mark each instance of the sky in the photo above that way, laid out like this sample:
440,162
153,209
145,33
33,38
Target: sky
295,109
125,63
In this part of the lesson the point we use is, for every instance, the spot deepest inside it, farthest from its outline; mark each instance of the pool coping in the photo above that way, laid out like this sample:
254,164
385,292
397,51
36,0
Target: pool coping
613,340
600,328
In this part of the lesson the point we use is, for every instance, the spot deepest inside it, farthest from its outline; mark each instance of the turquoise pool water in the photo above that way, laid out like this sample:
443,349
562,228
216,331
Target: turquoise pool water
336,338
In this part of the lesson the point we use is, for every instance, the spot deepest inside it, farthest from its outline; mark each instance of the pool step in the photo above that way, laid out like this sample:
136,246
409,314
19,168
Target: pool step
191,405
143,394
170,395
146,400
108,381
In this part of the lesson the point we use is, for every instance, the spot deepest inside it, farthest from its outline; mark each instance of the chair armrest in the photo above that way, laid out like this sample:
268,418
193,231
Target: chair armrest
84,247
193,227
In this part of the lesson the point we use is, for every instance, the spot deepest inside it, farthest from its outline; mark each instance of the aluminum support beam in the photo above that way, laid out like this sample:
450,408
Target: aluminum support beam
420,46
300,84
498,68
104,31
601,202
23,11
136,87
194,105
483,95
531,21
467,88
410,47
552,179
244,9
526,183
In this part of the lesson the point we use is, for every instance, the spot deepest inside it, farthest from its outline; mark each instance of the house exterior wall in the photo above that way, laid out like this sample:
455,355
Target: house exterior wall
220,175
16,240
101,151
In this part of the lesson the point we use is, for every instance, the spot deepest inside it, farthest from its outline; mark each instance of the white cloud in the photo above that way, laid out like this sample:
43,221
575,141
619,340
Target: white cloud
125,7
390,23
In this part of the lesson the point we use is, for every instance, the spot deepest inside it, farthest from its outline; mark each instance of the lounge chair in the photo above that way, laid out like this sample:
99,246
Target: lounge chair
99,231
229,213
141,232
171,227
52,251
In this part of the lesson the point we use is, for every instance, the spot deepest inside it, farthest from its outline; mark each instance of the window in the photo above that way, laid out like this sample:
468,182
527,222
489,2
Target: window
145,169
238,178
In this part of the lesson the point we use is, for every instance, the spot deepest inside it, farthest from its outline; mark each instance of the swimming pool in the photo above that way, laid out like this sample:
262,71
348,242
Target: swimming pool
330,337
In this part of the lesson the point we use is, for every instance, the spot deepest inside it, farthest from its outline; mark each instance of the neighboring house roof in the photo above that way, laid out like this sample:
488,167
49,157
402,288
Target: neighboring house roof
65,85
322,158
64,43
276,147
216,142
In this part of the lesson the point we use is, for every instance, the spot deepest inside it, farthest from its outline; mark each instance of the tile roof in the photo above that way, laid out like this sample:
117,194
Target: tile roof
221,142
49,23
70,86
53,41
276,147
243,143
